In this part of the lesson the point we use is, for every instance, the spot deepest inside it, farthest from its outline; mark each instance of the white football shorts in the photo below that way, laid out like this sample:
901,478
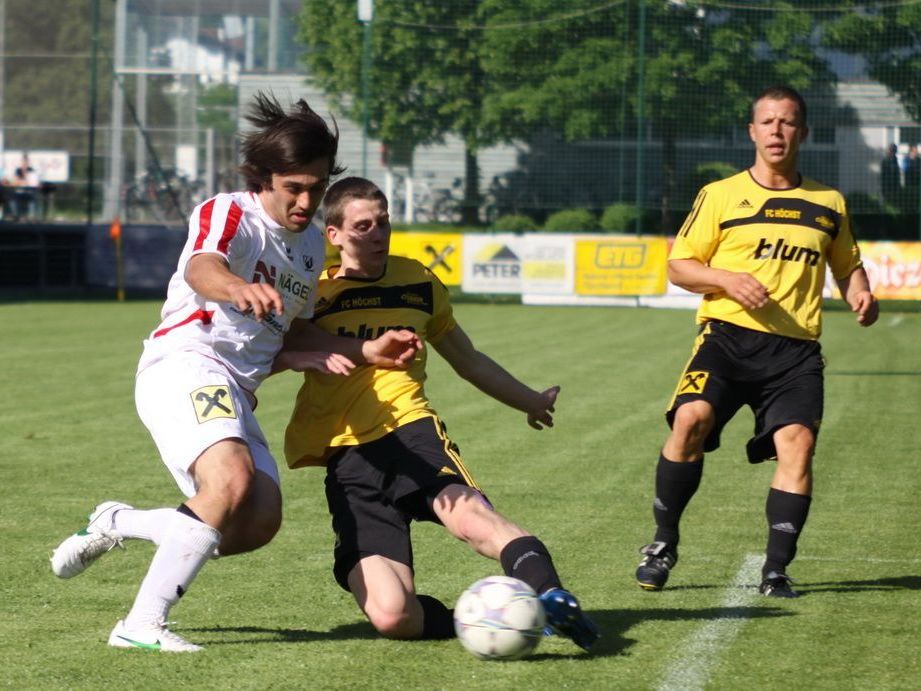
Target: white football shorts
188,403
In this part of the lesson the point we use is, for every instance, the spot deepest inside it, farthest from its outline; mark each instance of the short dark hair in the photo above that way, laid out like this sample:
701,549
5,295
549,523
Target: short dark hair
344,191
778,93
285,142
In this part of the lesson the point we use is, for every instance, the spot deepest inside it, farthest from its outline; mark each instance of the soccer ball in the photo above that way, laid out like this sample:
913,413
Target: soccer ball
499,618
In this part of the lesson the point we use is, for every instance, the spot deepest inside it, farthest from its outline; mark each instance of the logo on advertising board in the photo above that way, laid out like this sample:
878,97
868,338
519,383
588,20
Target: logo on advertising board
492,264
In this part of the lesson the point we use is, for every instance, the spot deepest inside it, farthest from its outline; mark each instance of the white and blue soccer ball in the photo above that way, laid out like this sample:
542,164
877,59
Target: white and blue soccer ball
499,618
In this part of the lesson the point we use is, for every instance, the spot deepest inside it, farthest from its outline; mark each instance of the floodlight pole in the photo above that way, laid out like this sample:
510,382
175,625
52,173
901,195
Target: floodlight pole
91,144
366,17
641,112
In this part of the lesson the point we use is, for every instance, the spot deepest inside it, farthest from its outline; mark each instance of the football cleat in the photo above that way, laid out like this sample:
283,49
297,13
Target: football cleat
777,585
658,560
86,546
154,637
566,618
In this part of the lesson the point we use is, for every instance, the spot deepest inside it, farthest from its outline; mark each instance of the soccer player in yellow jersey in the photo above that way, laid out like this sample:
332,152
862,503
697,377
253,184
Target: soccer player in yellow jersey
756,245
388,458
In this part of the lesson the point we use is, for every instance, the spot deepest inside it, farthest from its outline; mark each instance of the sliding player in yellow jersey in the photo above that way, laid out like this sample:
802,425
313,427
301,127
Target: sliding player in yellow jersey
756,245
388,458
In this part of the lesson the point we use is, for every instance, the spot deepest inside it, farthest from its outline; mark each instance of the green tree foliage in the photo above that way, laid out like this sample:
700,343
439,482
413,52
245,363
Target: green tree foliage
889,37
47,66
702,66
426,79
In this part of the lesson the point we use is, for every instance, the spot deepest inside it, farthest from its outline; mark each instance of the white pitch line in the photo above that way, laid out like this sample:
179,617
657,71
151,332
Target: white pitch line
704,648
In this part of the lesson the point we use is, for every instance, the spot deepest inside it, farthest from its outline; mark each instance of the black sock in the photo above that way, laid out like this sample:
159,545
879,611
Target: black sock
437,619
183,509
676,483
786,516
527,559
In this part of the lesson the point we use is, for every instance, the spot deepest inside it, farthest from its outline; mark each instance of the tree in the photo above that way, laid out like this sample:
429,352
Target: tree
701,68
426,76
889,37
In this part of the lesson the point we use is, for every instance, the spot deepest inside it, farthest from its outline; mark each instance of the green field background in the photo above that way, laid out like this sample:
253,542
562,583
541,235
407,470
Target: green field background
276,619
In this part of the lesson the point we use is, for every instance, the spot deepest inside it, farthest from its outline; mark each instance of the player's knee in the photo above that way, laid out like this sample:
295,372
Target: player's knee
692,423
797,440
395,620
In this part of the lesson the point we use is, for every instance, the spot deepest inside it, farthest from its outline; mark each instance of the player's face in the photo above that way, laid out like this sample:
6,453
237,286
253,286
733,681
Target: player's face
777,129
294,198
364,238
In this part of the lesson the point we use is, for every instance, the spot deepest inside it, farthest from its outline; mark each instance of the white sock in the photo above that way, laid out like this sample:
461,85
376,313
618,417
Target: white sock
186,545
141,524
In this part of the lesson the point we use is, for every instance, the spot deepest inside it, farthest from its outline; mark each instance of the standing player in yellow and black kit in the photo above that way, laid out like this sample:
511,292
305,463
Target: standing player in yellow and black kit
388,458
756,245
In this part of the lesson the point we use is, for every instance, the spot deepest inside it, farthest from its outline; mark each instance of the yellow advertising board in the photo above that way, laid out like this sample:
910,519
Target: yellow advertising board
621,266
440,252
894,269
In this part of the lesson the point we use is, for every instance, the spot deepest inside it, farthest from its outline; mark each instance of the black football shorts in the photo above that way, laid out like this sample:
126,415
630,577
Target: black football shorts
779,378
375,490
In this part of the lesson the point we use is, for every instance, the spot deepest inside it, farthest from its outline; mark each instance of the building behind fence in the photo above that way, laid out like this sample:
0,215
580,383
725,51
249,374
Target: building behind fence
466,111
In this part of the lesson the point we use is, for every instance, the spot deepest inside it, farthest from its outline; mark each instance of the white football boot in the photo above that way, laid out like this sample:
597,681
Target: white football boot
155,637
86,546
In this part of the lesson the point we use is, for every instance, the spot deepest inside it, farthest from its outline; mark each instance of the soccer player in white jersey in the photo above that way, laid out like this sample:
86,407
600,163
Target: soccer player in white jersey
244,287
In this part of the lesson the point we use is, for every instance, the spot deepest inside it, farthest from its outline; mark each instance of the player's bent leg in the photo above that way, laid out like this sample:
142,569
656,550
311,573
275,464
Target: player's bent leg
384,590
678,474
256,522
468,516
787,507
691,424
224,475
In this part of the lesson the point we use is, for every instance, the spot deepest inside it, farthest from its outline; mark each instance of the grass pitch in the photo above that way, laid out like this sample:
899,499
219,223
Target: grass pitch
276,619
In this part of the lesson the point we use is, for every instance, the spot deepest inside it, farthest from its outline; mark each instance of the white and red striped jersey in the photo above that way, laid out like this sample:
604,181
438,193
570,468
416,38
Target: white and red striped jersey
237,227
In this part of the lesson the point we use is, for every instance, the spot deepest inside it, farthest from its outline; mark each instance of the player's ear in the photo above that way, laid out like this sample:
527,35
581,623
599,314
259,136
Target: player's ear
332,234
751,131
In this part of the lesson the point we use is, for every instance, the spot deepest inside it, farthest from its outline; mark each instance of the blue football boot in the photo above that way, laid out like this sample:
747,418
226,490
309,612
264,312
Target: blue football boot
566,618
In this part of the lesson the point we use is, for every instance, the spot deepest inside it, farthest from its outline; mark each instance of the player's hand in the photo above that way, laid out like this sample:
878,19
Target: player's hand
319,361
866,306
258,298
393,349
540,415
746,290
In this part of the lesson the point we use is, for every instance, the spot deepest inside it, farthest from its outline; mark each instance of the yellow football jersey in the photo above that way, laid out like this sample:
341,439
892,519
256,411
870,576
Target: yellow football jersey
332,410
783,238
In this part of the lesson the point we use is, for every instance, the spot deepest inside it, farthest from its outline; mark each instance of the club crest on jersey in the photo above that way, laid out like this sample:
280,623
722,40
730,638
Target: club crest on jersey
308,262
212,402
693,382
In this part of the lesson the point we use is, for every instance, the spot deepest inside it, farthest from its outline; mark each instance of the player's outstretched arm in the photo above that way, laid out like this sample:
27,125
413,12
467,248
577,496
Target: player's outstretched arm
494,380
393,349
856,291
209,276
697,277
